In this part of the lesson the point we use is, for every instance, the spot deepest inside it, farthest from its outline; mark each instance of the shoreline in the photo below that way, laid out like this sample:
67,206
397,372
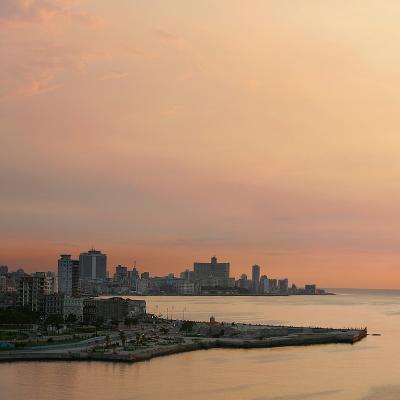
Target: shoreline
191,344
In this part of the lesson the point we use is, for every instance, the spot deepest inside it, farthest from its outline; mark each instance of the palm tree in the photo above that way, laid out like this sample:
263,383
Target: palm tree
122,336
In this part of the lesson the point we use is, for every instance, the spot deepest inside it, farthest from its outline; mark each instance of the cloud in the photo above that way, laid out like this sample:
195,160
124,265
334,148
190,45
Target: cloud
385,392
114,75
16,12
301,396
177,41
32,67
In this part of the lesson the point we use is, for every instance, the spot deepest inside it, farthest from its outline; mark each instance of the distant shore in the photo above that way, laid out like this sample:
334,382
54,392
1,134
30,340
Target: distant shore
220,294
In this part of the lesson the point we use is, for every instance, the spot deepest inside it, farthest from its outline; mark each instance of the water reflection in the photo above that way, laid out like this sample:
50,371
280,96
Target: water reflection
365,371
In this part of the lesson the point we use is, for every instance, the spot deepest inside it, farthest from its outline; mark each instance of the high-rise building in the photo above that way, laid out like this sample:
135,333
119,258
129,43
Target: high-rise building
273,285
133,277
212,273
145,275
121,274
264,284
30,293
50,281
283,285
310,289
68,276
255,277
93,265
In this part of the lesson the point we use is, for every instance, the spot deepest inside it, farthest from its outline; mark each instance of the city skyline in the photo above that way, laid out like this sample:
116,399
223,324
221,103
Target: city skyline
167,131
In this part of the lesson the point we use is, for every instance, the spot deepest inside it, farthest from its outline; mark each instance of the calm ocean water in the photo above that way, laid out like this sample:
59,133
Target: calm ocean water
368,370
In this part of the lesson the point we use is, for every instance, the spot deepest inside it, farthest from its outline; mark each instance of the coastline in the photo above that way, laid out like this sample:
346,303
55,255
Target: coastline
190,344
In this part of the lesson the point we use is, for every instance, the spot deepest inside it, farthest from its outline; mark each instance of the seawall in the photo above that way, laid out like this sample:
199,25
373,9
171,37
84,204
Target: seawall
199,344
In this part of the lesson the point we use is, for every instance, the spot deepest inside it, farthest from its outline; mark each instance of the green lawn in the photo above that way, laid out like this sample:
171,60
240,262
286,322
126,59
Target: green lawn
11,335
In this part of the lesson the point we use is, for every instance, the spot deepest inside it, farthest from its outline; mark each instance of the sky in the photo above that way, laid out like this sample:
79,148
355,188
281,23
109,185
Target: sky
166,132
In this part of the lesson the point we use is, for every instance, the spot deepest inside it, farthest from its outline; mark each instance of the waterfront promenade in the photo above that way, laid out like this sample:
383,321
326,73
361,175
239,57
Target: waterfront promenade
148,340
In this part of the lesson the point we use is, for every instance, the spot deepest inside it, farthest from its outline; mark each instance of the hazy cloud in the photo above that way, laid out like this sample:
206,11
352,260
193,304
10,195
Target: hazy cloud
35,11
386,392
114,75
168,37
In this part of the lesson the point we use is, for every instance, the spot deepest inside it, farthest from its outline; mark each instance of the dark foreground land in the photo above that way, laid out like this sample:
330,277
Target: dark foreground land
156,337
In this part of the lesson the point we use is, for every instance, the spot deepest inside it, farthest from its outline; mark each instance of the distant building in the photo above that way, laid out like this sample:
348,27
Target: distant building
89,310
244,284
185,288
212,274
310,289
30,293
283,285
264,284
8,299
50,281
54,304
74,306
145,275
133,277
143,286
121,274
273,286
68,276
3,270
93,265
3,283
118,308
255,277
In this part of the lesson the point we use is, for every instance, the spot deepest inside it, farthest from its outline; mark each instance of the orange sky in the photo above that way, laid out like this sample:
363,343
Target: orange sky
169,131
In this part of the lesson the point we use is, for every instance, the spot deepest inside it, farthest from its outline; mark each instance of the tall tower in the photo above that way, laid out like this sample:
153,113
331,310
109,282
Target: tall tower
93,265
68,275
255,277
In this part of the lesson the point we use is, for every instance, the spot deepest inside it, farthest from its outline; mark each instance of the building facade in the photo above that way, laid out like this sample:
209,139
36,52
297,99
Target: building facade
117,308
30,293
212,274
74,306
54,304
93,265
68,276
255,278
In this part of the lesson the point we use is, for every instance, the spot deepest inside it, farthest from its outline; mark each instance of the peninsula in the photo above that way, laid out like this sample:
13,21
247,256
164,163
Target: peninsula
152,336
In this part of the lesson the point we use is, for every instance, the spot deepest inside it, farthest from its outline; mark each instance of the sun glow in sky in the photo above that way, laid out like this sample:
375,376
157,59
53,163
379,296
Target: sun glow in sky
169,131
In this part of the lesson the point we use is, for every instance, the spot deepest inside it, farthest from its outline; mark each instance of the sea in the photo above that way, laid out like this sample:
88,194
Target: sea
367,370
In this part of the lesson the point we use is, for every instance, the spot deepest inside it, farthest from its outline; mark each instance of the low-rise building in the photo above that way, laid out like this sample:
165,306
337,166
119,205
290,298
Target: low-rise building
3,283
185,288
74,306
117,308
54,304
310,289
89,310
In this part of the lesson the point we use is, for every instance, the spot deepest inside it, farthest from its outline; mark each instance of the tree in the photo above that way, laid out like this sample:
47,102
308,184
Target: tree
55,320
71,319
98,323
129,321
122,336
187,326
114,322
